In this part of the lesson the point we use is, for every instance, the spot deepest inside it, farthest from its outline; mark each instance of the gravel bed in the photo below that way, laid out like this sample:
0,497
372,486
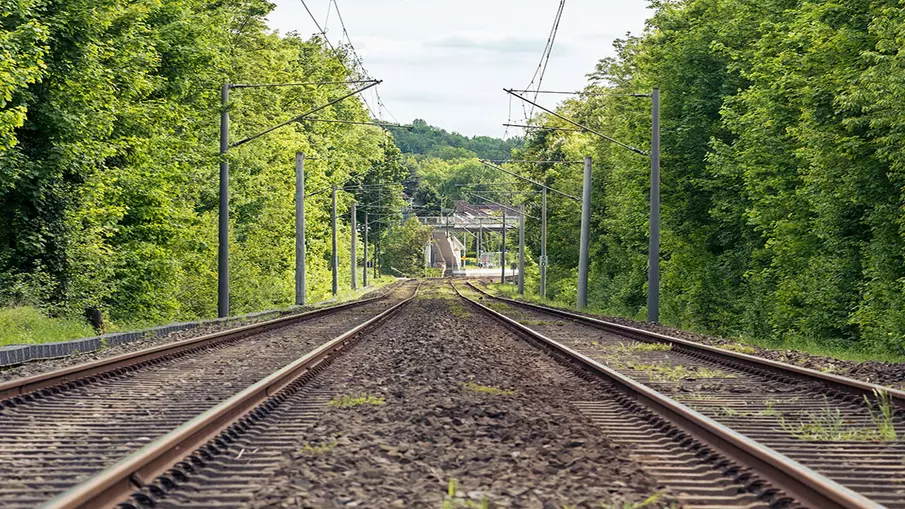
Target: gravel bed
883,373
462,400
37,367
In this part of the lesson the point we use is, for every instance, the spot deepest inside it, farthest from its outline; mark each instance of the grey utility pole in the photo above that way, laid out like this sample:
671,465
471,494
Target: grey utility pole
479,246
653,271
543,245
334,260
223,234
503,251
583,251
354,257
521,250
300,284
364,273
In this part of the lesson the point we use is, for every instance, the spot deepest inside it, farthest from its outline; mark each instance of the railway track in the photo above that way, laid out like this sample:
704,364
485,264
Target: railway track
706,458
845,434
207,465
61,428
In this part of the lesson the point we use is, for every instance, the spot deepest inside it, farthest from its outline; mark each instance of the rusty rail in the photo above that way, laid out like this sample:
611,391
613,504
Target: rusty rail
805,485
113,485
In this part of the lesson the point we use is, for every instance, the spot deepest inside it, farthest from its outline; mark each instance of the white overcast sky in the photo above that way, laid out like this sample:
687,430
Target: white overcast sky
447,61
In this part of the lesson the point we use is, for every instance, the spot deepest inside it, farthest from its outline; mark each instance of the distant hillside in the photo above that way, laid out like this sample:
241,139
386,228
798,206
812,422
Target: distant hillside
435,142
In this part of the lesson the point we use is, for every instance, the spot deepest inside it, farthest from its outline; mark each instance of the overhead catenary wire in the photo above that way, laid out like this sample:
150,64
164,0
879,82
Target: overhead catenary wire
323,33
541,70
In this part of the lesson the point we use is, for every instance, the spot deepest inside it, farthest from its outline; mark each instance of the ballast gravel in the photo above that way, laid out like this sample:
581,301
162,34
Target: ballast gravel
455,412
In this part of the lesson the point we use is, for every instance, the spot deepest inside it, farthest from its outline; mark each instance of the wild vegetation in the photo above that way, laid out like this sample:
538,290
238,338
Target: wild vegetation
109,118
782,172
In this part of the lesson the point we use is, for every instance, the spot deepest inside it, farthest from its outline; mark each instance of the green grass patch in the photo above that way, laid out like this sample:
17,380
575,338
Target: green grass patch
487,389
28,325
453,500
739,348
348,401
316,448
828,423
663,372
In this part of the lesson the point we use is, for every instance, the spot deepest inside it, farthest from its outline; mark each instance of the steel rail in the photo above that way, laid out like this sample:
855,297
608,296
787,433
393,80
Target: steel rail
843,384
114,484
796,480
27,386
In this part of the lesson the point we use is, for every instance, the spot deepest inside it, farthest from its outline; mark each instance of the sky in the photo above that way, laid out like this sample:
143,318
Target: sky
447,61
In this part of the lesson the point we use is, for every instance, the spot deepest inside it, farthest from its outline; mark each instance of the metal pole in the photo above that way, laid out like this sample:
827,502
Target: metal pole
521,250
480,234
300,284
335,258
543,245
503,251
583,250
223,250
364,273
653,273
354,254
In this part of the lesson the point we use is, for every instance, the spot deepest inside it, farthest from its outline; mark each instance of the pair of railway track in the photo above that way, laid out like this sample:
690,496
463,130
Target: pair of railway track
825,440
171,418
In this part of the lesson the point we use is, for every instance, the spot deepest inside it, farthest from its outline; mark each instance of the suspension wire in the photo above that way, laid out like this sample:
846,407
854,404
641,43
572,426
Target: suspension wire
541,70
360,61
333,49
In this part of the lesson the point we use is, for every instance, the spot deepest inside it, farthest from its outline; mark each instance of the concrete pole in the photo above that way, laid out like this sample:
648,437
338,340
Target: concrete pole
503,251
543,245
335,258
354,253
583,250
364,273
300,284
521,250
653,272
223,233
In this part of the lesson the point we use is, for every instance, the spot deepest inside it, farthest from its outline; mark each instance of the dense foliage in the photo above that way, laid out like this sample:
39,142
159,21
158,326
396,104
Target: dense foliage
783,170
434,142
109,113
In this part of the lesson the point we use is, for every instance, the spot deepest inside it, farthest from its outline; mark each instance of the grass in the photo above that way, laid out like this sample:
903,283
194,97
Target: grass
634,347
647,503
739,348
315,449
452,500
882,412
664,372
28,325
829,425
487,389
354,401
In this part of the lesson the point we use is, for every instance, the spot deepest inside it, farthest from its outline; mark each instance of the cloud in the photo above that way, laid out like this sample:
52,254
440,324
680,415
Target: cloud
510,45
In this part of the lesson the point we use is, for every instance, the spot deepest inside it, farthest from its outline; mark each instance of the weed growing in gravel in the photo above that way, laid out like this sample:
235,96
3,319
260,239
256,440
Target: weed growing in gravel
486,389
353,401
828,424
452,500
740,348
768,411
647,503
639,347
314,449
882,415
663,372
458,310
544,322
